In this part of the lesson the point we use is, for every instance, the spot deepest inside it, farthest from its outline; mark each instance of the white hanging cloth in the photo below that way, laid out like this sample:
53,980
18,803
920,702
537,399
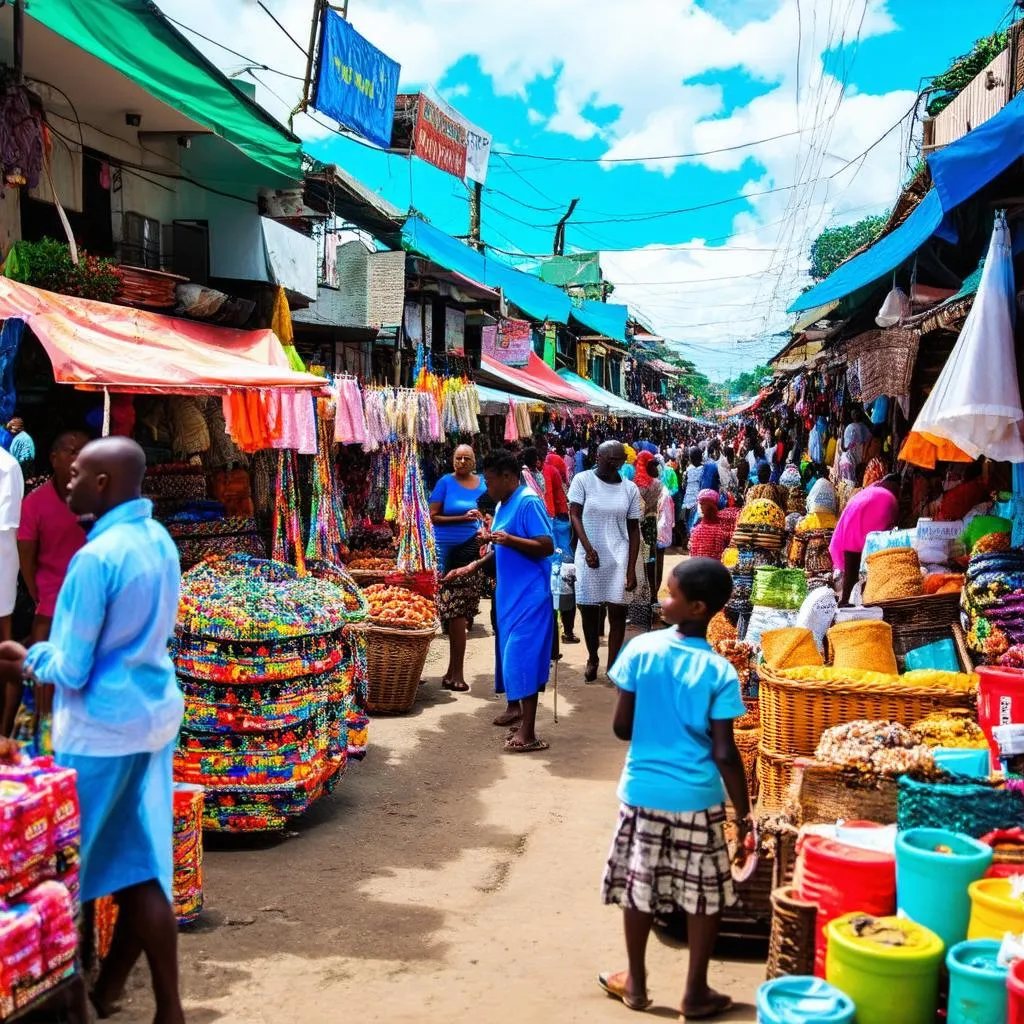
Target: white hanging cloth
975,406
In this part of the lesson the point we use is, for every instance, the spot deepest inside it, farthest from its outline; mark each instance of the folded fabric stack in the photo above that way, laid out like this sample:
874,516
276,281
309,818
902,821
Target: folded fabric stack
992,606
272,677
188,852
200,539
757,542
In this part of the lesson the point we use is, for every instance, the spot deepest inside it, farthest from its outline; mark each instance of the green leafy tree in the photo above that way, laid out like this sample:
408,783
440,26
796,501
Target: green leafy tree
947,86
748,382
836,244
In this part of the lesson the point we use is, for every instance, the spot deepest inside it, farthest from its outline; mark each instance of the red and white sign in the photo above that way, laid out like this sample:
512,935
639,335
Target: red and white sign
510,342
437,133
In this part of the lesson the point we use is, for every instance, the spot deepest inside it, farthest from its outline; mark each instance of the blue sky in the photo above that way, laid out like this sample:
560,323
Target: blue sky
599,80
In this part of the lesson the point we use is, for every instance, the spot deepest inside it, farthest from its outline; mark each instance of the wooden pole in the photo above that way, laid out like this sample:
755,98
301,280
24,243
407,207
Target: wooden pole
318,9
475,204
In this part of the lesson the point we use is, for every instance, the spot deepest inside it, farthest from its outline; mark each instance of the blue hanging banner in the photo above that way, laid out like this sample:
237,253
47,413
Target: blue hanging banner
356,84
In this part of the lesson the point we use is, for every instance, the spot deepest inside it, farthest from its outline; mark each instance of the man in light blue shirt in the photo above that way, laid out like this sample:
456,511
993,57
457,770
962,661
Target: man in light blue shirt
117,710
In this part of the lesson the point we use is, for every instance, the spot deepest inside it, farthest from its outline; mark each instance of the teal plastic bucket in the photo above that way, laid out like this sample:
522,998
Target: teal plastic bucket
963,761
797,999
977,984
931,886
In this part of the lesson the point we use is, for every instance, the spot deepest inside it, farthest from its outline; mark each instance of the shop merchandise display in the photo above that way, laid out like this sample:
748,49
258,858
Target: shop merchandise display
885,748
327,532
993,602
188,852
400,608
39,846
272,674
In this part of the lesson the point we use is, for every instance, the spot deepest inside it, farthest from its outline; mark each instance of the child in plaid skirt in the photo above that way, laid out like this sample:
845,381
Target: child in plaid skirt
676,704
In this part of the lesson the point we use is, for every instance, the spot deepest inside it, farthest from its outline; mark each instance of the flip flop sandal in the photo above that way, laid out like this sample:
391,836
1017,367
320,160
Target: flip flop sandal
724,1005
614,985
590,673
525,748
447,684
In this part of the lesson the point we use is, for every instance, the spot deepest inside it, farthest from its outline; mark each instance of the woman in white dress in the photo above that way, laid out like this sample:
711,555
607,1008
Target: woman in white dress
605,513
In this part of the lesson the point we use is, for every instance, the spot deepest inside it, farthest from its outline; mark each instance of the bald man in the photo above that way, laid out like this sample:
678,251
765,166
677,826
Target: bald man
117,709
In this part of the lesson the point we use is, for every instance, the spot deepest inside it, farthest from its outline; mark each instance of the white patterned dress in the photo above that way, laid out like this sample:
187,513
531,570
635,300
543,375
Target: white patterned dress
606,510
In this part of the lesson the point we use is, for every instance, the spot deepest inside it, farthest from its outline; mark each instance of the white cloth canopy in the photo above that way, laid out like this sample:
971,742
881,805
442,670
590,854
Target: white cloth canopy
975,405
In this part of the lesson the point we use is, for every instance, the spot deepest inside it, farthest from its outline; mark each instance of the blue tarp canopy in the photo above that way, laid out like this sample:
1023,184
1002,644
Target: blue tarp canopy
539,301
602,318
616,405
958,171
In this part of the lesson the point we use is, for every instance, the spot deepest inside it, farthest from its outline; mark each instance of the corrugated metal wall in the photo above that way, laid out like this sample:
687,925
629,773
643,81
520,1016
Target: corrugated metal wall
975,105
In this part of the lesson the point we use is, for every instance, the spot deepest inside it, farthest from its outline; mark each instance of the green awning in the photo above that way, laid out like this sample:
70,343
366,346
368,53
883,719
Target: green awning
134,38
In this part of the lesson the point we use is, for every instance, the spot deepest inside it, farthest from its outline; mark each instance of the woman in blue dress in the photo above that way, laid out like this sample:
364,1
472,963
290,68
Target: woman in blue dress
522,548
457,520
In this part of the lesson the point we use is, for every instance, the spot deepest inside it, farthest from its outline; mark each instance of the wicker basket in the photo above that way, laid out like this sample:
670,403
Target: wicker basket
826,793
368,577
917,621
793,934
394,665
774,779
794,713
974,807
747,741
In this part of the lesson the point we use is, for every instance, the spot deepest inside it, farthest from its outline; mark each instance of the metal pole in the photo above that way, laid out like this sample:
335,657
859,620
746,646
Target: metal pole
318,9
475,205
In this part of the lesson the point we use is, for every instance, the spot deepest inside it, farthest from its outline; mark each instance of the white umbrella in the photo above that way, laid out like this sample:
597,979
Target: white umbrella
975,407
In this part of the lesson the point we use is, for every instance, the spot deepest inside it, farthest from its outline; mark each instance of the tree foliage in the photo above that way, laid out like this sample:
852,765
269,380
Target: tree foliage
947,86
834,245
748,382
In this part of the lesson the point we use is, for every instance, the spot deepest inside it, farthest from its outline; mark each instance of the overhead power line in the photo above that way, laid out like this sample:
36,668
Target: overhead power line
250,61
270,14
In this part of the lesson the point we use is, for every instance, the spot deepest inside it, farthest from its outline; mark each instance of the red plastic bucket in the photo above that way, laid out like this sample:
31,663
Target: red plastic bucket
1000,701
1015,990
842,879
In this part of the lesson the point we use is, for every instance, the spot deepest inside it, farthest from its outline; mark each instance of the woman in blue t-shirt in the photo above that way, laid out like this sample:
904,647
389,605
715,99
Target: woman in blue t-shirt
457,520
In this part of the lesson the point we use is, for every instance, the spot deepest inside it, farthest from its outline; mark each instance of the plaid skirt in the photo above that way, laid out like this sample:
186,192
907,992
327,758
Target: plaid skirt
664,863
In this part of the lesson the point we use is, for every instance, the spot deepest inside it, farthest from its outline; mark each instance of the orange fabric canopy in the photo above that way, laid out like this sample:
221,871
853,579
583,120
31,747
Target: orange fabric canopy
97,344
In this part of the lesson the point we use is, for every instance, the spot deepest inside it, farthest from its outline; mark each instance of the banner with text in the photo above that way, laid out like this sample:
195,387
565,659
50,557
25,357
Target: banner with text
356,84
437,133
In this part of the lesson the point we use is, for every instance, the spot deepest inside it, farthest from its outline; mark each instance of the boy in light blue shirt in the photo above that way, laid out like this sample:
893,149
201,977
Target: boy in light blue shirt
676,704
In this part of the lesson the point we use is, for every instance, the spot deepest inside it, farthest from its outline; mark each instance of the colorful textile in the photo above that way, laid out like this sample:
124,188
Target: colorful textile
665,863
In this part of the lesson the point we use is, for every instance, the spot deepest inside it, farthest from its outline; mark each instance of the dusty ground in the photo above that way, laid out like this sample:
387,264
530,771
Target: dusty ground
443,881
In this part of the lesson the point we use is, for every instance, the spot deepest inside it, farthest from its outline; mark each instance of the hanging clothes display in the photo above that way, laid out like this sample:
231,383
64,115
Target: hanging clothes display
975,407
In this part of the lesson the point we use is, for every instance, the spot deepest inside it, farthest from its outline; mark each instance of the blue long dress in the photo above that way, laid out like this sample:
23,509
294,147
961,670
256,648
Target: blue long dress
525,611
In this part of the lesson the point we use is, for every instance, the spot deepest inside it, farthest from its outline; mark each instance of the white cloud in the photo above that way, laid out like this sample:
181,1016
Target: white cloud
624,74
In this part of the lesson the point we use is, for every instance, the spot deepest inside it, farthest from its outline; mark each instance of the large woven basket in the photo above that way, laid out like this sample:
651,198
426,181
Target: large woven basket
774,779
917,621
826,793
794,929
794,713
394,666
747,741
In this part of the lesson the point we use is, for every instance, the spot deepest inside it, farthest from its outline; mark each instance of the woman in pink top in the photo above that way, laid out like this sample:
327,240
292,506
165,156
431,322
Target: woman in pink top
49,534
875,508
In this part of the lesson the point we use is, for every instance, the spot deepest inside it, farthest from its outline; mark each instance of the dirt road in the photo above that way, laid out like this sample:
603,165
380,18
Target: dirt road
443,881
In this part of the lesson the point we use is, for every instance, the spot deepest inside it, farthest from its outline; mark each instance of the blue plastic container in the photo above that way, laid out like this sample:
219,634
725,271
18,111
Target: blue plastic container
977,984
963,761
796,999
931,886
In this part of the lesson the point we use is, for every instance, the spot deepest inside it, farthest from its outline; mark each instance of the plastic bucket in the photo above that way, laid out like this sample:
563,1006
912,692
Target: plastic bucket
803,1000
841,878
993,910
1000,701
1015,993
887,983
974,762
931,886
977,984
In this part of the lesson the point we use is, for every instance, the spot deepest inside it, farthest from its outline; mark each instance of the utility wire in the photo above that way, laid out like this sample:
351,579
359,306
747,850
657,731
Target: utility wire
270,14
249,60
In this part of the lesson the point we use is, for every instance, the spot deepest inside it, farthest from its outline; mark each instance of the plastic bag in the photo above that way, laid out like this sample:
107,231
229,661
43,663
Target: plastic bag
895,308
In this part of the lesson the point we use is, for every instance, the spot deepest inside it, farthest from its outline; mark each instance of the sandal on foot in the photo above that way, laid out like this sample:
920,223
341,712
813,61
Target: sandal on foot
590,672
447,684
508,718
570,638
615,986
716,1005
513,746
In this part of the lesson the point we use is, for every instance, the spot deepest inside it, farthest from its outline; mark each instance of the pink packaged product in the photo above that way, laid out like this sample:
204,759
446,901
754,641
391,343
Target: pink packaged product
21,960
60,794
26,839
58,934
